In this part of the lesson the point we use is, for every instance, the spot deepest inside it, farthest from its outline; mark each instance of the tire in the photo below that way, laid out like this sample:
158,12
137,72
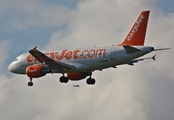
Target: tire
30,84
92,81
63,79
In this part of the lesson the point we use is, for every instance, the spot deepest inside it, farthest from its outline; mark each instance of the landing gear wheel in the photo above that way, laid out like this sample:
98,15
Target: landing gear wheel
30,83
90,81
63,79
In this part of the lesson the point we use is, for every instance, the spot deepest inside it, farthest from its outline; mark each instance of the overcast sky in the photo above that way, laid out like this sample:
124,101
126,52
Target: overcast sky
141,92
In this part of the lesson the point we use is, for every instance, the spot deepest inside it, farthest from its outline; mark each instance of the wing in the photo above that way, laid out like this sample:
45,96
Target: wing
46,60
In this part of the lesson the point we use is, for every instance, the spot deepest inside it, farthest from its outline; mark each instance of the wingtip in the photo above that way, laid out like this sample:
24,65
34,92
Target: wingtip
146,11
154,57
34,49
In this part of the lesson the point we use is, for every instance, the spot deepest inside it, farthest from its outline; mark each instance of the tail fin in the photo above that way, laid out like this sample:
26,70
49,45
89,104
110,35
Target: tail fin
136,35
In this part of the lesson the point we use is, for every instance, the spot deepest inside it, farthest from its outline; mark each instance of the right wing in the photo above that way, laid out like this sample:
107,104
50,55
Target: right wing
46,60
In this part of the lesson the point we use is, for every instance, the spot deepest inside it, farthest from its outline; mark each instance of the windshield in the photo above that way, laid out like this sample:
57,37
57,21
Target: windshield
16,59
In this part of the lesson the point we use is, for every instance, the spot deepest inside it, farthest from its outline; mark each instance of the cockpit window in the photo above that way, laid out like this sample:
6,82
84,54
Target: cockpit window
16,59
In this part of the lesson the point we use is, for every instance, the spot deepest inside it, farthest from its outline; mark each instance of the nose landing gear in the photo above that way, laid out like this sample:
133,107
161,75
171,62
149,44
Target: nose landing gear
30,83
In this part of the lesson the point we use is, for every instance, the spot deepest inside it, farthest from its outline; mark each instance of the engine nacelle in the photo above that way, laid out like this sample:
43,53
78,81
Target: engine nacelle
37,71
77,75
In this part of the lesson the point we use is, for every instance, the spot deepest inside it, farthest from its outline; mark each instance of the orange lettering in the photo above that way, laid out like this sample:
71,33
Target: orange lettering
68,55
53,54
62,55
100,51
75,54
91,55
82,54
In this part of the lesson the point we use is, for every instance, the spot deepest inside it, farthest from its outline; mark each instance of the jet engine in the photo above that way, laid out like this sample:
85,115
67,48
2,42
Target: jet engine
78,75
37,71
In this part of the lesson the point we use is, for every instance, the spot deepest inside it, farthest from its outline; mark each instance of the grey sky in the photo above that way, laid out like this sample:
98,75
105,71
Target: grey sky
143,92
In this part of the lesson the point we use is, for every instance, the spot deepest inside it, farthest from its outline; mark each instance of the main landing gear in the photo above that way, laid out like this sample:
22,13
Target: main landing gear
90,81
30,83
63,79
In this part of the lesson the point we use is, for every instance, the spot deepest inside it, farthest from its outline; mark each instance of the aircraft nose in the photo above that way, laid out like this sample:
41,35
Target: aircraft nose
11,67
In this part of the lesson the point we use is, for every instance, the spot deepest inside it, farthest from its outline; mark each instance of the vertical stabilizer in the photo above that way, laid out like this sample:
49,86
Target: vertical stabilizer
136,35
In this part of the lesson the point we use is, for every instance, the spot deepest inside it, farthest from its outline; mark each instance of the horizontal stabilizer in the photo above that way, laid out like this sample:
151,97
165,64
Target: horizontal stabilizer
161,49
137,60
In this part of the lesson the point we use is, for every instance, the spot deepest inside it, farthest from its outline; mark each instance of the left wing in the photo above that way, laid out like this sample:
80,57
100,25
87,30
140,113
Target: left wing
137,60
44,59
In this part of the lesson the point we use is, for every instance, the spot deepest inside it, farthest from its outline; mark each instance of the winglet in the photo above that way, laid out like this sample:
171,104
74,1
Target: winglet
34,49
154,57
136,35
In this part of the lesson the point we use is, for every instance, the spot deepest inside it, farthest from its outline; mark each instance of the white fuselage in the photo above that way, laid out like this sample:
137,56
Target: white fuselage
90,59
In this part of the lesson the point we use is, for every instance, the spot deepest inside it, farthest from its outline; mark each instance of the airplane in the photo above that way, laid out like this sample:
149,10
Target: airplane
80,63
